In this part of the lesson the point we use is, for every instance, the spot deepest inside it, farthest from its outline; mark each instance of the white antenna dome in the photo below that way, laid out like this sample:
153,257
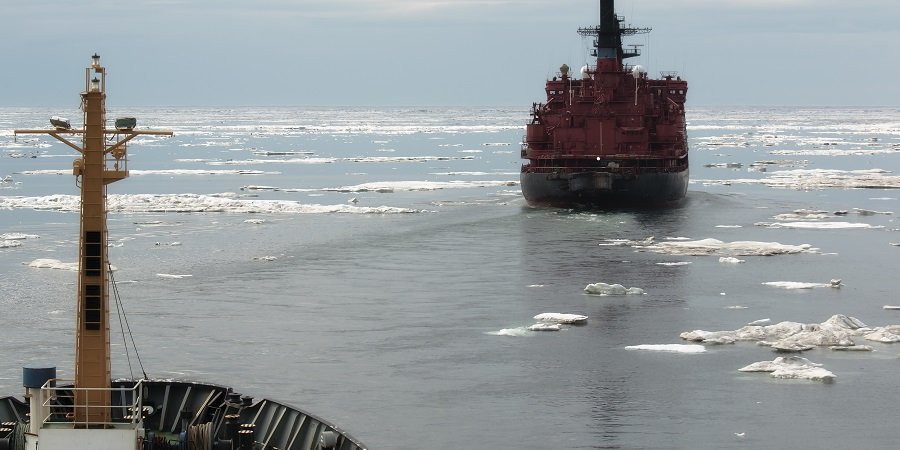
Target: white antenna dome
584,72
638,71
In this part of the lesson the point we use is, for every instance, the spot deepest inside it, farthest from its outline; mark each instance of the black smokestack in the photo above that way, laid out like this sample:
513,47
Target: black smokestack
609,25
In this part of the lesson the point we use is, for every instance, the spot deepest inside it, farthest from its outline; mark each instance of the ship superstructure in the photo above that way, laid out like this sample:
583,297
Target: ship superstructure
611,136
95,412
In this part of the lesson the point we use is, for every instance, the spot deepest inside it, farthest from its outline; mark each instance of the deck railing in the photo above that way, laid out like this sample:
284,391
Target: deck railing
62,408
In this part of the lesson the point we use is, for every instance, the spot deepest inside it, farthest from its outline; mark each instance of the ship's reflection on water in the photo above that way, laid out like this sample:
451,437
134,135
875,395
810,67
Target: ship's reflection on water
618,391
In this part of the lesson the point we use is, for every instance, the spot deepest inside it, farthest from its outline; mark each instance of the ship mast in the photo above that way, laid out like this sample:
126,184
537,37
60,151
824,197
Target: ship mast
608,38
100,163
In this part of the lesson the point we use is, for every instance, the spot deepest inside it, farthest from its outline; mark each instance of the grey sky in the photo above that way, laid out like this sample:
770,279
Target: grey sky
439,52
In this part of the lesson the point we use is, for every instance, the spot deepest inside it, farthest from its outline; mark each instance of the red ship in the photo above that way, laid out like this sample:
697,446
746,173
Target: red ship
615,137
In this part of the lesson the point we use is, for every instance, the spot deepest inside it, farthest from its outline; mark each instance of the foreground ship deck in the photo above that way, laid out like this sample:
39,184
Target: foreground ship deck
172,413
93,412
613,137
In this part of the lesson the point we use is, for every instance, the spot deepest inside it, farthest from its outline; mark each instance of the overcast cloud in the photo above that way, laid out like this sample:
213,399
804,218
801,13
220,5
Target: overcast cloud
453,52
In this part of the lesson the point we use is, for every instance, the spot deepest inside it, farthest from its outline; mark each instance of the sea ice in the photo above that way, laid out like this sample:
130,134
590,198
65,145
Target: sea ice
820,179
17,236
730,260
545,327
611,289
628,242
173,276
234,162
802,285
561,318
412,186
519,331
817,225
46,263
141,203
839,330
851,348
380,159
792,367
678,263
716,247
675,348
7,243
871,212
883,335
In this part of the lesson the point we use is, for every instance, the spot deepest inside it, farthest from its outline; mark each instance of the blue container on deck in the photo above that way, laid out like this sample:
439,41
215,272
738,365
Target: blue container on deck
36,376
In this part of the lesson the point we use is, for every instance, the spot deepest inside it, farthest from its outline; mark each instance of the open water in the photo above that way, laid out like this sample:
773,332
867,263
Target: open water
379,268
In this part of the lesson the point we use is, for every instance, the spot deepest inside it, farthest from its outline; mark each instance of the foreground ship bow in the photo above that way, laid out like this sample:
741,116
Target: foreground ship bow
614,137
94,412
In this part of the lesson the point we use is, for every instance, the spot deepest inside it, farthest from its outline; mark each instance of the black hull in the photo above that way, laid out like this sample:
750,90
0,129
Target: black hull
604,190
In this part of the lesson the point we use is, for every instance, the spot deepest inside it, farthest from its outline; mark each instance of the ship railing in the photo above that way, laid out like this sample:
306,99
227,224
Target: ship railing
60,405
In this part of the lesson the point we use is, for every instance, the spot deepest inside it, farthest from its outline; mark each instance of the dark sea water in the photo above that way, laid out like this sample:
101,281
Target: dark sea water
379,268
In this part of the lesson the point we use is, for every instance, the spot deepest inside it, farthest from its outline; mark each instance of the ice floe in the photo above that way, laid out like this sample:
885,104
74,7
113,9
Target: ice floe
838,331
834,152
519,331
387,187
711,246
236,162
561,318
173,276
834,283
383,159
731,165
546,322
9,243
392,186
817,225
226,203
543,326
820,179
730,260
611,289
637,243
813,219
677,263
675,348
170,172
17,236
871,212
792,367
46,263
